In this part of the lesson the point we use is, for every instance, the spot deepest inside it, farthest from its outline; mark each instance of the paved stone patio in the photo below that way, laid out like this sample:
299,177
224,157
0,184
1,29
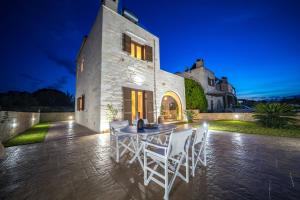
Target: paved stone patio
240,166
66,130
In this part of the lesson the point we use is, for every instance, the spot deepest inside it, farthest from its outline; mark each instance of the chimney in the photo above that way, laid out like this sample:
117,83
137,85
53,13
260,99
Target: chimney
224,79
112,4
200,63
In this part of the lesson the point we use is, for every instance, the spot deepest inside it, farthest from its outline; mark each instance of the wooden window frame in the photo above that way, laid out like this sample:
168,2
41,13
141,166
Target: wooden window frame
136,45
147,104
146,51
81,103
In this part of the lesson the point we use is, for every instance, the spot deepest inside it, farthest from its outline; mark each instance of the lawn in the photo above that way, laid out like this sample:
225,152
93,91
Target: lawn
35,134
252,128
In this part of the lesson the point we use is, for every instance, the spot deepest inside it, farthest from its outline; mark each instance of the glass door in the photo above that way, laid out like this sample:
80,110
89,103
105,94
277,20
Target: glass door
137,104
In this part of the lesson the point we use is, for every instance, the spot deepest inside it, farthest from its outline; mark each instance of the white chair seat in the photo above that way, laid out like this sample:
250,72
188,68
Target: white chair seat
198,149
169,157
121,142
157,154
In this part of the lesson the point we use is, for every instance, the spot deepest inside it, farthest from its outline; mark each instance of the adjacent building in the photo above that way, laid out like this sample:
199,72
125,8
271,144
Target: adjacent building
119,64
220,94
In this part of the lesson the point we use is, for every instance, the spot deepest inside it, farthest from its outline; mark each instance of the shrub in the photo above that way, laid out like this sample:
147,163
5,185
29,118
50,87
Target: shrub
189,115
194,95
111,113
274,115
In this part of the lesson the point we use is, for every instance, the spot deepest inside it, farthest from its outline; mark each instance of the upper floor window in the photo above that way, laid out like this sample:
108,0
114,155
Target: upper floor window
82,65
80,103
211,82
136,50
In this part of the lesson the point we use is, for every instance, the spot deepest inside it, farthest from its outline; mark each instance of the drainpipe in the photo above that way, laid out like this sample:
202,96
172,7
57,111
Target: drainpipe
154,56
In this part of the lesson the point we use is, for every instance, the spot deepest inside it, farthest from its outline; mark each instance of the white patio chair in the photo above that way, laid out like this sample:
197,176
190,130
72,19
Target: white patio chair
165,159
199,147
145,121
121,142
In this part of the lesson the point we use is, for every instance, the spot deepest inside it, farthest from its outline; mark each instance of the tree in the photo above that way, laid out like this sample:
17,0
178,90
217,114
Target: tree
14,99
194,95
274,115
52,97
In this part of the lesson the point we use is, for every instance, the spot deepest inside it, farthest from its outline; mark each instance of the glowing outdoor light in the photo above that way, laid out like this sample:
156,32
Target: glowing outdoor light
205,125
236,116
70,117
138,80
166,98
14,124
33,119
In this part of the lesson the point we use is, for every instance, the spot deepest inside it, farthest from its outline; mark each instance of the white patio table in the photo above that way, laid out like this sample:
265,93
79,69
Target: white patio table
143,135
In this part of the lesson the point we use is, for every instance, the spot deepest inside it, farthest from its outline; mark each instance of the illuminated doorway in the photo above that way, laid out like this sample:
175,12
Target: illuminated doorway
137,108
137,104
171,107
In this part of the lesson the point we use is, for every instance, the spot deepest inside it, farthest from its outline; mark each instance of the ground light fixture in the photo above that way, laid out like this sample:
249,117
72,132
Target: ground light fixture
205,124
14,124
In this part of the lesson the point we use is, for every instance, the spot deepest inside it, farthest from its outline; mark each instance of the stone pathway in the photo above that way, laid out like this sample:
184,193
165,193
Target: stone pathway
240,166
67,130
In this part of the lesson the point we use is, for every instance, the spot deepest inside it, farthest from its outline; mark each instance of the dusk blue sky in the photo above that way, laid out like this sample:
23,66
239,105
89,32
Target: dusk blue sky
255,43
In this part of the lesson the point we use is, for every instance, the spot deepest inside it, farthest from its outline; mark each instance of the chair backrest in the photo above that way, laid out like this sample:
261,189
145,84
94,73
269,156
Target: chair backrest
134,122
118,125
145,121
201,133
179,142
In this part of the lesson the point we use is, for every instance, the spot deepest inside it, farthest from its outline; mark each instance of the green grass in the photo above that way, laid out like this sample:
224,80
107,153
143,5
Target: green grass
253,128
35,134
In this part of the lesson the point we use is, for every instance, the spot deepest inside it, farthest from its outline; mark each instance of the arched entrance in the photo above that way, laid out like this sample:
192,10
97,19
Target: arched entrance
171,107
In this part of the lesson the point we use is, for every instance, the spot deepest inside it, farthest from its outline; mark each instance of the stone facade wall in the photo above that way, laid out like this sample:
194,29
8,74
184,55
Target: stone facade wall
167,82
118,68
201,75
56,116
88,81
224,116
13,123
216,102
230,116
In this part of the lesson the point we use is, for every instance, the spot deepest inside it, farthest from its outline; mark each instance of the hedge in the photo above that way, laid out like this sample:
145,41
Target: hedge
194,95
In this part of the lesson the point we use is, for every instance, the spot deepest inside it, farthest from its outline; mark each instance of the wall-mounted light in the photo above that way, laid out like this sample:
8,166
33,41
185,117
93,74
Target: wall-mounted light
138,80
70,117
14,124
236,116
33,119
165,98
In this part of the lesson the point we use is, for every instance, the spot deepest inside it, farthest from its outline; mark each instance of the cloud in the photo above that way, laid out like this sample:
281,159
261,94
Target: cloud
62,62
34,82
59,83
31,78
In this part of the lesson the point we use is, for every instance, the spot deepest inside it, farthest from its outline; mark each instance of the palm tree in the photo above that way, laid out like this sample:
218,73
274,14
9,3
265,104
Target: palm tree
274,115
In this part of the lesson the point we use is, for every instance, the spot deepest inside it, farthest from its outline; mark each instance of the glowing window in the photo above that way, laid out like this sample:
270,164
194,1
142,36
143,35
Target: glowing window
133,103
137,51
82,65
132,50
140,105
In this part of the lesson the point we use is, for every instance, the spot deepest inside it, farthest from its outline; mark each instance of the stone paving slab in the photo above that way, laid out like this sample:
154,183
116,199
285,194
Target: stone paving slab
240,166
67,130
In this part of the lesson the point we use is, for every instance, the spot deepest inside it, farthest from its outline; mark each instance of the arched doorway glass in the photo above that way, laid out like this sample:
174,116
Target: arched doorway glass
171,107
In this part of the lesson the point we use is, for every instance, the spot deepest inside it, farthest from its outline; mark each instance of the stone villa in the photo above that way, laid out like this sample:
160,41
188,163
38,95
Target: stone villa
220,94
119,64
